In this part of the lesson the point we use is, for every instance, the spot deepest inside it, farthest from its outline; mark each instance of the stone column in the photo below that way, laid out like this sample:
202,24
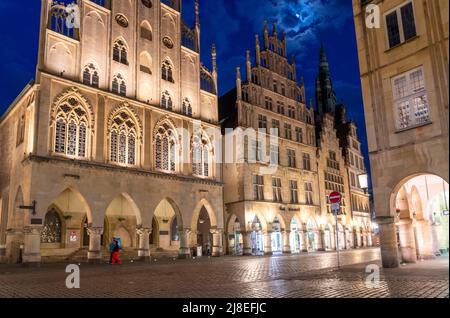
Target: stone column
95,253
268,243
388,242
185,251
247,241
304,241
355,238
216,242
32,245
286,242
144,244
407,241
321,246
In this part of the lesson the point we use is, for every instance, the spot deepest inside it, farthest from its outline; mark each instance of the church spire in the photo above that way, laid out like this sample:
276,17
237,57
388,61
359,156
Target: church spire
197,14
325,94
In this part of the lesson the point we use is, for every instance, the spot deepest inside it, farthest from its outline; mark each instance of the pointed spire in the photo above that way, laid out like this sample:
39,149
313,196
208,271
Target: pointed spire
266,35
274,31
197,13
238,83
249,67
214,57
257,50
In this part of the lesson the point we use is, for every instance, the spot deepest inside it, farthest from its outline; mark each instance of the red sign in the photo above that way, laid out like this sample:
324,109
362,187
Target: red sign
334,197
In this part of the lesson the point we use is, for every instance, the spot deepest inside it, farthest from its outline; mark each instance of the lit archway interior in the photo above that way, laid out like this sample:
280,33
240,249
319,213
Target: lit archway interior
421,211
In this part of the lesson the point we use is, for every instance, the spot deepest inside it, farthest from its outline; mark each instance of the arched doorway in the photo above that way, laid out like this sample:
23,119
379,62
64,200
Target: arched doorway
421,205
235,239
311,236
328,237
349,237
257,237
165,226
275,237
341,236
121,220
204,236
294,237
52,230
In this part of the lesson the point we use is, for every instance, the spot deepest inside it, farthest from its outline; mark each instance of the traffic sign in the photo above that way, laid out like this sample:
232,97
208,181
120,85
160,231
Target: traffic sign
335,206
334,197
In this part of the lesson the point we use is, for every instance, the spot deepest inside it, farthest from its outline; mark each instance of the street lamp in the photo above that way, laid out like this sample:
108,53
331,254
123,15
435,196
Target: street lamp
363,182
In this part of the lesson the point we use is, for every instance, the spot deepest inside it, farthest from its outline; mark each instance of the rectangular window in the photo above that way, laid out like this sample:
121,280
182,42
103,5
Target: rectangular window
255,151
294,191
299,134
276,187
292,162
288,131
306,162
268,103
262,122
276,126
400,25
275,87
410,99
258,187
352,179
309,193
274,155
280,108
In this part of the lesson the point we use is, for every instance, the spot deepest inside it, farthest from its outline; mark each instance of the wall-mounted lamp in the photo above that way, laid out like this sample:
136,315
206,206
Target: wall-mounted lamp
364,181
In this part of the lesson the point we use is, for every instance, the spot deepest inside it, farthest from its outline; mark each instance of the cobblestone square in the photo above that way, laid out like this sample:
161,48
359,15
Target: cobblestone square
290,276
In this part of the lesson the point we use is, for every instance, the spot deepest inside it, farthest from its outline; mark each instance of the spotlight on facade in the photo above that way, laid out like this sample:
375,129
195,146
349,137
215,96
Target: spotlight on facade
364,181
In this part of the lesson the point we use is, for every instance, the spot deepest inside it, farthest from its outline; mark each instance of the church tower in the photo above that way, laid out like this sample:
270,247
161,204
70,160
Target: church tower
325,94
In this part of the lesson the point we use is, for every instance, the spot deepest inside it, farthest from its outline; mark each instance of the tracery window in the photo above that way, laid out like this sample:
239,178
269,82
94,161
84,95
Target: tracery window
71,128
165,148
166,100
51,231
120,52
58,20
187,108
200,156
123,132
90,75
119,85
167,71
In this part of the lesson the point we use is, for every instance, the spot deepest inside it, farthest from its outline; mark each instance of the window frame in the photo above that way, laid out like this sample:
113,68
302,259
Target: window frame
399,17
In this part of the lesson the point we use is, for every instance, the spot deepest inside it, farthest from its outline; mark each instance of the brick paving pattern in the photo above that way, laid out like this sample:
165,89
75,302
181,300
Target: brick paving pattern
296,276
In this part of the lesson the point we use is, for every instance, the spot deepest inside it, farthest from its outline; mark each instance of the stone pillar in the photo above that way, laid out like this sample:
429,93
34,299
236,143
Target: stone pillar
95,240
321,246
216,242
286,242
304,241
355,238
247,241
185,251
388,242
268,243
144,244
407,242
32,245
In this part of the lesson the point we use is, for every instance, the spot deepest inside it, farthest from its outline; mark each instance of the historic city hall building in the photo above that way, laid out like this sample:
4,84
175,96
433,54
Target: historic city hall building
119,134
404,76
316,153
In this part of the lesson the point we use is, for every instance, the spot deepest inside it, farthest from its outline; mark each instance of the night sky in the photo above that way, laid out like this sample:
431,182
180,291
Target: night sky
231,25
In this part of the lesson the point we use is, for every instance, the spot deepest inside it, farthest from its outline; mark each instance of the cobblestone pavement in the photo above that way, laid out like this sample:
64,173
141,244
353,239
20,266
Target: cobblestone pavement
312,275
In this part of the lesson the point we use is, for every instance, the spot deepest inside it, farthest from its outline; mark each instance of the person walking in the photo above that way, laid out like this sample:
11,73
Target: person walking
115,254
111,250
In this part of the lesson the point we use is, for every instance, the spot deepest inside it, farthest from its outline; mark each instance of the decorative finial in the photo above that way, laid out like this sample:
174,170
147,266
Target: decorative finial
197,13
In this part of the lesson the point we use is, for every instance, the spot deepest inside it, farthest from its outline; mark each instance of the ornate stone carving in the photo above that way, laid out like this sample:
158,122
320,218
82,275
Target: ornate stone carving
94,231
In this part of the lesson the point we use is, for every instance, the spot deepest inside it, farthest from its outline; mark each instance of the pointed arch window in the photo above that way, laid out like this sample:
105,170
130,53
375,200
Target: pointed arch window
52,229
201,156
90,75
165,149
71,128
123,132
120,52
166,101
119,85
187,108
167,71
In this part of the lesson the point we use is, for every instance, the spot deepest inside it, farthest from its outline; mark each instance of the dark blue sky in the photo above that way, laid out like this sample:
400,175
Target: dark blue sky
232,25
